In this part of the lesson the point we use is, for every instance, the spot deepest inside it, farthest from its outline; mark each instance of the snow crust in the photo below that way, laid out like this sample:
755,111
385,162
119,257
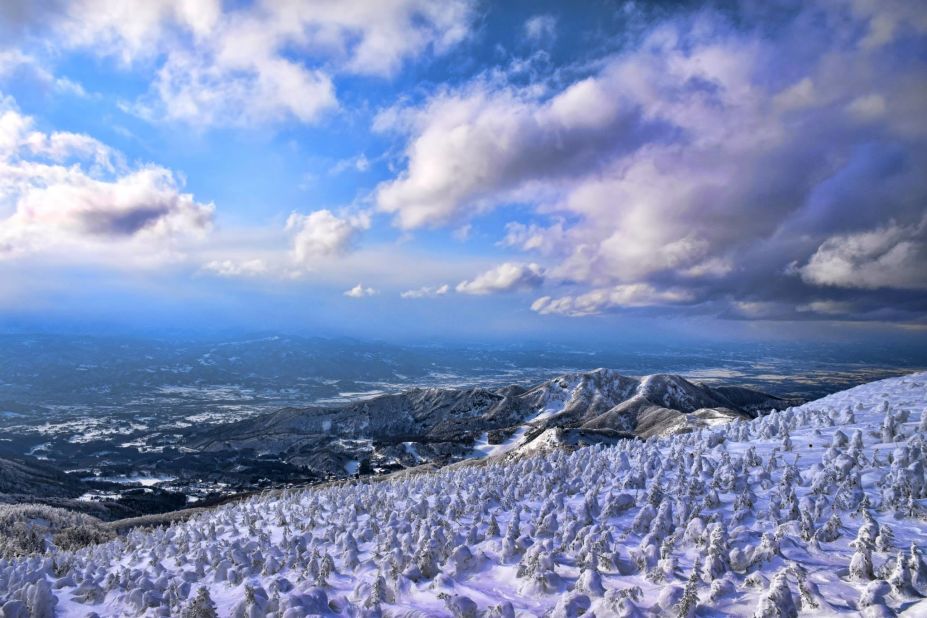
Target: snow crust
819,509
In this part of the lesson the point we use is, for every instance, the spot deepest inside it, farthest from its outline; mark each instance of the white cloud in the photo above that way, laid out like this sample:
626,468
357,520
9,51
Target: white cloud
130,31
531,237
505,277
13,62
462,233
426,292
472,149
359,291
541,28
603,299
712,267
71,87
260,62
61,146
761,310
867,107
71,195
234,268
884,21
827,307
322,234
894,256
244,91
360,163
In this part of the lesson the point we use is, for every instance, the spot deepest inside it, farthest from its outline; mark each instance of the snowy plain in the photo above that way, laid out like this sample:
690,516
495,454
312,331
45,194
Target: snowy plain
816,510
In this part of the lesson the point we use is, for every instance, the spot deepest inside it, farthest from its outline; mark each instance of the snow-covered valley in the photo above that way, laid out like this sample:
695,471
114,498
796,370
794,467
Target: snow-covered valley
819,509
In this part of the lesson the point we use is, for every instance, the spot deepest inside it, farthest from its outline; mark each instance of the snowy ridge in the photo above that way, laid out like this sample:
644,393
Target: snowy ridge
446,425
605,400
819,509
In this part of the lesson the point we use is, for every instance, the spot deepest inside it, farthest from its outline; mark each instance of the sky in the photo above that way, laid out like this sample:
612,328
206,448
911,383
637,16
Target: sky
464,169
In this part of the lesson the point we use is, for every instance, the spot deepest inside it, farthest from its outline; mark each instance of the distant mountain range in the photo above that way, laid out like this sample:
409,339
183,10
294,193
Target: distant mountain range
442,425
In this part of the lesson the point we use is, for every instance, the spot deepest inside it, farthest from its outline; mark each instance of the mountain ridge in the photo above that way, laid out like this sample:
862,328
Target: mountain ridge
443,425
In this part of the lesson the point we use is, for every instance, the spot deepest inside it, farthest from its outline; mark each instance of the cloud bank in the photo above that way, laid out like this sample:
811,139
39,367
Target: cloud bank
212,63
710,164
72,197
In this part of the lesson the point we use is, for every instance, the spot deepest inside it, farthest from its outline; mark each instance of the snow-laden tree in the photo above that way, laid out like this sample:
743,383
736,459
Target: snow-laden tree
201,606
766,551
687,605
885,540
874,598
918,569
492,530
590,581
717,561
40,600
253,605
861,563
900,577
778,601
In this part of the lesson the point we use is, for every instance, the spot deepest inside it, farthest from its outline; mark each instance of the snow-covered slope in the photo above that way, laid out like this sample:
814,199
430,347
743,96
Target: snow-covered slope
598,406
819,509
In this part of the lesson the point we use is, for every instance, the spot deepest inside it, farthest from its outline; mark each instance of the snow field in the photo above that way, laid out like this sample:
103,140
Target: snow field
819,509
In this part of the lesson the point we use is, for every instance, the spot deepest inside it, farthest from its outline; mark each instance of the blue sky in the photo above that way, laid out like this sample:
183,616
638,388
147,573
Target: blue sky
464,169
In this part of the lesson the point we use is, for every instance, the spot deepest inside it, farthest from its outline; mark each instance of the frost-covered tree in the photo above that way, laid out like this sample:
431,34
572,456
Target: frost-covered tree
590,581
885,540
809,597
874,598
861,563
201,606
40,599
492,530
766,550
918,569
778,601
643,518
254,605
721,588
889,429
502,610
689,601
379,592
717,562
868,531
900,578
326,568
